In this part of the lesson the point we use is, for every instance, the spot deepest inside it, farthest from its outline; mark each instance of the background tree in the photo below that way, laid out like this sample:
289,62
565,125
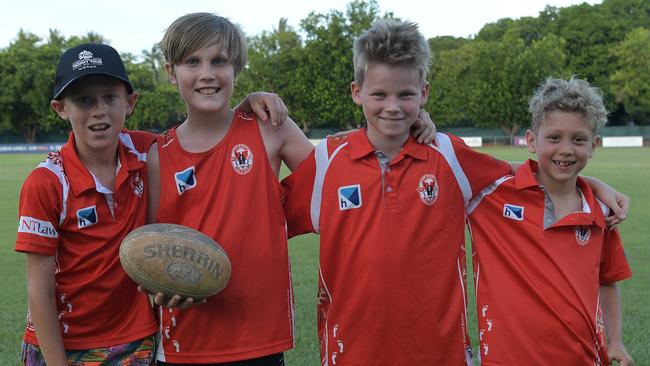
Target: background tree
631,81
504,75
27,79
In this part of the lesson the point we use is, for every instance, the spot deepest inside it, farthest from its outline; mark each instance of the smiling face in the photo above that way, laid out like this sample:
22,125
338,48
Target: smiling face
96,106
564,142
205,80
391,97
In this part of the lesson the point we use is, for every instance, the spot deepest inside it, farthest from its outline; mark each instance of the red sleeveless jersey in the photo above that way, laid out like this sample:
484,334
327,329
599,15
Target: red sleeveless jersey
232,194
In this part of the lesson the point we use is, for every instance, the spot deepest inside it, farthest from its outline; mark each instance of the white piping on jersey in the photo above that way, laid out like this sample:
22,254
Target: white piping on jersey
65,185
446,148
322,164
603,208
488,190
125,138
468,359
325,360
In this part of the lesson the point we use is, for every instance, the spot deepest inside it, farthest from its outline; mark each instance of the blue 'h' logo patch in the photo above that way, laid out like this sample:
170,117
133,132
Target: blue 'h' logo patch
513,212
185,180
86,217
349,197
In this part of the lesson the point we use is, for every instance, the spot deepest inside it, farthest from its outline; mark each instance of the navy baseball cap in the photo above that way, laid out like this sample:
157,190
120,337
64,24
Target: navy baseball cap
88,59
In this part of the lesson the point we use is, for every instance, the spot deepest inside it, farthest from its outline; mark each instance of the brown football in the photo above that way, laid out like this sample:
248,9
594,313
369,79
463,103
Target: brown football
175,259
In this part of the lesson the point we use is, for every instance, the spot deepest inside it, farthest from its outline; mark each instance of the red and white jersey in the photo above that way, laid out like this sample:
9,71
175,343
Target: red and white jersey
392,249
65,212
230,193
537,289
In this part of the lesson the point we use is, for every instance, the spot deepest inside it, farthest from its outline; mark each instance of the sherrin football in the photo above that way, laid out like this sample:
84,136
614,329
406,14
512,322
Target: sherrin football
175,259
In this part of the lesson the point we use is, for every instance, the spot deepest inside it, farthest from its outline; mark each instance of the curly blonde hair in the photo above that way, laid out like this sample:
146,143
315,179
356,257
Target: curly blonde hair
573,95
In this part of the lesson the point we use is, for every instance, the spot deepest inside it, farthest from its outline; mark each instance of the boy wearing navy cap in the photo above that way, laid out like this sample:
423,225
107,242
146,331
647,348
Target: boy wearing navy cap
75,208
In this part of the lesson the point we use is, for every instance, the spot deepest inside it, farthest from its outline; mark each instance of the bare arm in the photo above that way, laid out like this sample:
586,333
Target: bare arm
42,306
153,183
295,146
610,301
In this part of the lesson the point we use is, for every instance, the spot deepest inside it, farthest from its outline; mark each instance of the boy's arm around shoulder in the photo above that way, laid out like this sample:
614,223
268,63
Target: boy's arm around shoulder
286,144
297,201
615,200
478,168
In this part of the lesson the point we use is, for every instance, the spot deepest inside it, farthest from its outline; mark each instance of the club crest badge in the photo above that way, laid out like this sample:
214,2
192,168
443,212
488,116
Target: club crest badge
241,159
138,185
583,234
428,189
86,217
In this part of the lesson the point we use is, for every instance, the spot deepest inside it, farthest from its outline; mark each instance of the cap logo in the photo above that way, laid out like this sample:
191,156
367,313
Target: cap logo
86,61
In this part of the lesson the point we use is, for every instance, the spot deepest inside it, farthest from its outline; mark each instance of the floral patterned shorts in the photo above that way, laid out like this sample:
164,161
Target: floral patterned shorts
138,353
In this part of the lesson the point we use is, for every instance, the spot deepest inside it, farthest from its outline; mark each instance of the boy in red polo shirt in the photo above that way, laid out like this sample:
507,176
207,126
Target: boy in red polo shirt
390,213
75,208
546,263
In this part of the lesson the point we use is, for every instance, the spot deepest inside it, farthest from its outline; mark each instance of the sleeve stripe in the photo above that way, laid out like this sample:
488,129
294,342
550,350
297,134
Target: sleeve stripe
446,148
322,164
56,169
125,138
484,193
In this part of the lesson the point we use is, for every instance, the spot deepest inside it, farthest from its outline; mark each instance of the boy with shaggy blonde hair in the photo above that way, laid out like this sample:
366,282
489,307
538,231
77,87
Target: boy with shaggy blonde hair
546,263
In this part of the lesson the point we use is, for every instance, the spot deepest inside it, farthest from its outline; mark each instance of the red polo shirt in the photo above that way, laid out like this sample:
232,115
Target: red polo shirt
537,289
392,265
66,213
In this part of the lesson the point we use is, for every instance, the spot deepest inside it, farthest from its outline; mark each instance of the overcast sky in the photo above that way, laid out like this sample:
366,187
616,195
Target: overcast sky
134,25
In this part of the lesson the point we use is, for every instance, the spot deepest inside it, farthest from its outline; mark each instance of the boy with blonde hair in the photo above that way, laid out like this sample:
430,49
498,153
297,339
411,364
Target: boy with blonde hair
390,213
217,172
546,263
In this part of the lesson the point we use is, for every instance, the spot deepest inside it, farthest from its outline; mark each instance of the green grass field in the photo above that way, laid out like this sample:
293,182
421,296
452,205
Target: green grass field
625,169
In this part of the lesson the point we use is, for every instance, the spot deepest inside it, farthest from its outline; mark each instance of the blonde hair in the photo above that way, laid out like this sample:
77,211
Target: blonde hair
195,31
393,43
573,95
